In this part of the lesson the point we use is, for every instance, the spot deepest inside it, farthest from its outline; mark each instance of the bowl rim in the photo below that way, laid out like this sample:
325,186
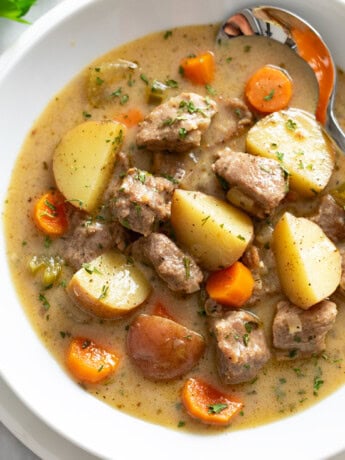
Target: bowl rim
146,433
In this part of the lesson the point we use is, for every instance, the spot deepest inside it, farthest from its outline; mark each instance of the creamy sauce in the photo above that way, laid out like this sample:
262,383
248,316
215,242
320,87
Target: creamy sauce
281,388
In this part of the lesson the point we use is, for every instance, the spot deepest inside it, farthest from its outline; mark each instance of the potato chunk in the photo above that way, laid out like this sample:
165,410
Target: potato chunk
84,160
108,286
213,231
295,138
308,263
162,348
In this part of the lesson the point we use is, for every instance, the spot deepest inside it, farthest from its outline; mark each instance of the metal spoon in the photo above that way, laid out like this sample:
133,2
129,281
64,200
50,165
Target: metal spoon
288,28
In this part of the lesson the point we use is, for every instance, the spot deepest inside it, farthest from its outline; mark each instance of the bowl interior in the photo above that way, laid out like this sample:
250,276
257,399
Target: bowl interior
44,59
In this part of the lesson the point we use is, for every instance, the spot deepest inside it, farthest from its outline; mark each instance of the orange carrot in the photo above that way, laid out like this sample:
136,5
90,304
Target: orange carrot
207,404
199,69
160,310
131,118
269,89
88,362
231,286
50,213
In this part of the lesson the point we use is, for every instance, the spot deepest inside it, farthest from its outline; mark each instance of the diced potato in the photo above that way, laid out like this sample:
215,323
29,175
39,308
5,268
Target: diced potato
107,80
308,263
108,286
295,138
213,231
163,349
84,160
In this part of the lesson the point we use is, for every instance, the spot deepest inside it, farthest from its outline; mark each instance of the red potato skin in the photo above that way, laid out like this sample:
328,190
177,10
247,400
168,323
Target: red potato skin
161,348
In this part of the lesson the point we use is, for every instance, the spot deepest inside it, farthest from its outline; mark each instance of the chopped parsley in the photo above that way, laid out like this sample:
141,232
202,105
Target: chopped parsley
99,81
167,34
90,270
291,125
42,298
144,78
216,408
171,83
269,96
181,424
86,114
245,339
182,133
211,91
104,292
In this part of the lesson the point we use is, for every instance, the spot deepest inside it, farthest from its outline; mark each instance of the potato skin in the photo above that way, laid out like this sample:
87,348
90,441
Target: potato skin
108,287
213,231
84,160
161,348
308,263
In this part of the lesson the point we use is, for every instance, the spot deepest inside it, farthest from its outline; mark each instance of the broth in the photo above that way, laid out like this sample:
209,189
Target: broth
281,388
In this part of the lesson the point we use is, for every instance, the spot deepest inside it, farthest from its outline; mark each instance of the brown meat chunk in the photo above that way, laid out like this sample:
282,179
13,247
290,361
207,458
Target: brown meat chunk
172,265
261,263
241,346
89,239
232,118
142,201
163,349
299,333
331,218
178,124
259,180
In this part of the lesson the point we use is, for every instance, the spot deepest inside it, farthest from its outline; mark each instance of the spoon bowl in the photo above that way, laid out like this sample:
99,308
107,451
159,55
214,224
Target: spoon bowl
288,28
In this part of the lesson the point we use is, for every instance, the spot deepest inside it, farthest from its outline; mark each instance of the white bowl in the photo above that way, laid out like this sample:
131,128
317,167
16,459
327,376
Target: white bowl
46,57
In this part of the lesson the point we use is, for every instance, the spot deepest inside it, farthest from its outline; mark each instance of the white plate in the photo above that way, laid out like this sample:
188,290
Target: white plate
43,61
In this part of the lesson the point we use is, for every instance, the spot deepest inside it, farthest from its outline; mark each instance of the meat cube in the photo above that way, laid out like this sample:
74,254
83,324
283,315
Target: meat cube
261,263
142,201
172,265
331,218
178,124
259,182
232,118
299,333
241,346
90,239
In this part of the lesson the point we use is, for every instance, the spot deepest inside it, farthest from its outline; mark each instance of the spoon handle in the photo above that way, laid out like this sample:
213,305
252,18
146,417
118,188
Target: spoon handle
333,128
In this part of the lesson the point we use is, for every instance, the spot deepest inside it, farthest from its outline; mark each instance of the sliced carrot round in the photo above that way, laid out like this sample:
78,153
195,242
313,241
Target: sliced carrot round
88,362
207,404
199,69
131,118
231,286
269,89
50,213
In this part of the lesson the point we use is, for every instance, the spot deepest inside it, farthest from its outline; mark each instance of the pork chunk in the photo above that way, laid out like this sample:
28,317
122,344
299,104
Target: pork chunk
259,181
172,265
142,201
241,346
261,263
89,239
331,218
178,124
232,118
299,333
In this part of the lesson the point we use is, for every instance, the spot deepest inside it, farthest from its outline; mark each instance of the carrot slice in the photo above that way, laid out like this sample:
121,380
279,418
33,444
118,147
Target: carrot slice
231,286
88,362
131,118
199,69
161,310
207,404
50,213
269,89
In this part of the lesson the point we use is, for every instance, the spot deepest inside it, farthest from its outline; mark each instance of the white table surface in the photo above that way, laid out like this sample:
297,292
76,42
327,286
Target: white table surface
28,427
